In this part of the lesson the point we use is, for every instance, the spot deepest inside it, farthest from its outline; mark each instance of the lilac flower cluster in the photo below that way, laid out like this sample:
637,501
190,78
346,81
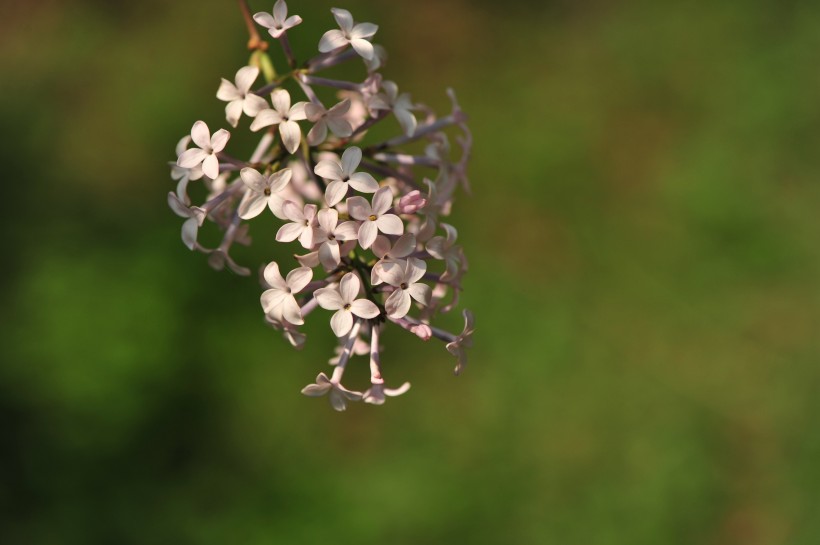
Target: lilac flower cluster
367,216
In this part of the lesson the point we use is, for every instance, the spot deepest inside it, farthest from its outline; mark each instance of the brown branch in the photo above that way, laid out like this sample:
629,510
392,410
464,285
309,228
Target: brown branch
255,41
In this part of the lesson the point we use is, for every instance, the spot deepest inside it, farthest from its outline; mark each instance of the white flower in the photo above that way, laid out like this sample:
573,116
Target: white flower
400,104
339,395
278,21
374,218
284,115
465,340
262,191
334,119
194,214
375,395
281,295
329,233
302,226
239,96
404,275
445,248
343,174
343,301
355,35
205,154
404,246
184,175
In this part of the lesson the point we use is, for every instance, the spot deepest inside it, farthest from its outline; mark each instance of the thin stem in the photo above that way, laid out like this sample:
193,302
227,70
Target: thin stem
335,83
375,362
326,60
339,370
283,40
255,41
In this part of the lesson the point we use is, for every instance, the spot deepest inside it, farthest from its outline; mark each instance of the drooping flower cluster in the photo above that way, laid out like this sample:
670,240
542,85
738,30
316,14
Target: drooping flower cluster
364,215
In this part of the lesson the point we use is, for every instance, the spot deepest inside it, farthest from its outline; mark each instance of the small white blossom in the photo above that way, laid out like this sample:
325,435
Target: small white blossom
239,96
329,233
404,246
343,174
343,301
303,222
334,119
194,214
374,218
445,248
262,191
281,294
339,395
355,35
400,104
465,340
205,154
375,395
284,115
278,21
404,275
184,175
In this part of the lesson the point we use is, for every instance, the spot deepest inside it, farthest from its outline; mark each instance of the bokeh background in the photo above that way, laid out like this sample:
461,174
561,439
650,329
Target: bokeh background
643,238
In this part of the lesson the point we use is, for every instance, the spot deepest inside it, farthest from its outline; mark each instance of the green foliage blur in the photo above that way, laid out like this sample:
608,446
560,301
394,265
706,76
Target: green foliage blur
644,241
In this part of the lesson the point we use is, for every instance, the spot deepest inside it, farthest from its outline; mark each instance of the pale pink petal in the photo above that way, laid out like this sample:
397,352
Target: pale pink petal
335,192
308,260
367,234
329,169
191,158
306,238
398,304
280,10
178,206
280,99
253,104
328,218
245,77
278,180
190,227
253,179
420,292
297,279
297,112
363,48
341,322
332,39
201,135
329,298
271,299
406,120
351,158
381,246
358,208
382,201
392,272
390,224
329,255
348,230
414,270
265,118
227,91
337,400
291,135
291,311
210,166
340,126
289,232
363,30
264,19
318,133
291,21
316,390
276,203
343,18
405,245
349,287
273,277
364,182
233,111
294,212
252,205
219,140
339,109
364,308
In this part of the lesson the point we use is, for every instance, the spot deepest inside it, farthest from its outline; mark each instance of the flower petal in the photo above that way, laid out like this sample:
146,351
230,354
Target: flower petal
264,19
280,99
414,270
280,11
293,212
348,230
219,140
190,227
351,158
335,192
367,234
291,311
265,118
253,104
191,158
297,279
332,39
273,277
253,179
291,135
420,292
390,224
364,308
398,304
382,201
392,272
316,390
289,232
363,48
201,135
341,322
329,298
210,166
329,169
227,91
318,133
328,218
349,287
271,299
329,255
252,205
233,111
245,77
343,18
363,30
279,179
404,246
364,182
358,208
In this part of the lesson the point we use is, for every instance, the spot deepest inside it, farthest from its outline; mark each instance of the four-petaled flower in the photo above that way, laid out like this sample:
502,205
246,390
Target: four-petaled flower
239,96
278,21
404,275
400,104
445,248
404,246
329,233
334,119
205,154
284,115
374,218
343,174
302,226
462,342
355,35
262,191
339,395
343,301
280,296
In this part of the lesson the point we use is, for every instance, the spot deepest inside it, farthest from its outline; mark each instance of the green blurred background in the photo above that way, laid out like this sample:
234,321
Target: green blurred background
643,239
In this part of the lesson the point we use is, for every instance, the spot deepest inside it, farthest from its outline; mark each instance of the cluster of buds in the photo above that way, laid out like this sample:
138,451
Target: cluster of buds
366,217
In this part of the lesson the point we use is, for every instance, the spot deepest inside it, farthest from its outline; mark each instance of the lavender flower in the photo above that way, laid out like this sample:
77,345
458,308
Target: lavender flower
376,237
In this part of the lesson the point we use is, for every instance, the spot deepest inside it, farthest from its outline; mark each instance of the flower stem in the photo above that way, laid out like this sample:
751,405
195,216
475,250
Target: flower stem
254,41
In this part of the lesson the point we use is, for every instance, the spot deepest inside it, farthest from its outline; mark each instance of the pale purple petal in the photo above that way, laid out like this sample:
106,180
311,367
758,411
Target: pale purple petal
351,158
332,39
358,208
335,192
367,234
252,205
398,304
363,30
191,158
291,311
289,232
210,166
406,119
245,77
253,179
328,218
435,247
219,140
392,272
329,169
294,212
201,135
341,322
339,126
291,135
364,182
190,227
278,180
343,18
264,19
364,308
329,298
291,22
253,104
297,112
265,118
280,99
316,390
405,245
318,133
349,287
306,238
271,299
297,279
414,270
363,48
227,91
420,292
273,277
390,224
280,11
329,254
348,230
233,111
382,201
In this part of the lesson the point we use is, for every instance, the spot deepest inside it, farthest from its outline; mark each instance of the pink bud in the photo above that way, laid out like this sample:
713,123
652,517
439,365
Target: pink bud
411,203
